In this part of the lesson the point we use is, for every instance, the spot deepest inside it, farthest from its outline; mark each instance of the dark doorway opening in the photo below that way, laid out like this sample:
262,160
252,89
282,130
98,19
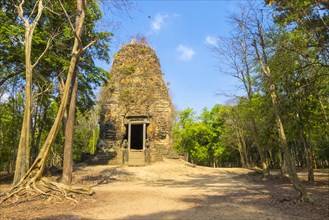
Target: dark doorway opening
136,141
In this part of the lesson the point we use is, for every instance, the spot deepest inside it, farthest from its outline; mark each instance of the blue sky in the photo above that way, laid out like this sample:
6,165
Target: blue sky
181,33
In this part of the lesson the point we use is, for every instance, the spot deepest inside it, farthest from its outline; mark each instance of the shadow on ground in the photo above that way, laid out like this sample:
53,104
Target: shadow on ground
249,191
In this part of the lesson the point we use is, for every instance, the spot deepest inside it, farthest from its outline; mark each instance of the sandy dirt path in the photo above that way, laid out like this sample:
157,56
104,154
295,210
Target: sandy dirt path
174,190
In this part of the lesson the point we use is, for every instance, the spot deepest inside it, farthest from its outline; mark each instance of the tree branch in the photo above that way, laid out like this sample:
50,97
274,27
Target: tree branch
34,7
45,50
325,3
67,16
40,9
52,11
70,22
90,44
21,12
3,80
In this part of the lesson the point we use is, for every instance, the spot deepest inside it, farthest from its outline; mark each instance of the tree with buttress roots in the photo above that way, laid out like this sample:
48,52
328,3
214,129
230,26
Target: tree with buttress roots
32,179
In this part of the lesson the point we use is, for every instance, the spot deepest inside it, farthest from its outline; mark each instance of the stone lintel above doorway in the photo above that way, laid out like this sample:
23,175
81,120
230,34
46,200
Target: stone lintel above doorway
137,119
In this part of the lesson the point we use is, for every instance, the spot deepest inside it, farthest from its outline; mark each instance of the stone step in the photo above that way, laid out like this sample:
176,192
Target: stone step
136,158
136,154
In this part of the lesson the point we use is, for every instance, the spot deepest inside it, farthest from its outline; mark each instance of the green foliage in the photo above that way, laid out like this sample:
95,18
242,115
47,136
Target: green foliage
200,137
126,95
296,47
11,114
301,72
86,133
127,70
47,74
144,50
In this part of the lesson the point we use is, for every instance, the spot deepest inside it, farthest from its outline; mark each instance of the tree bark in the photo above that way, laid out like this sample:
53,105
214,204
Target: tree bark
247,82
23,154
283,167
242,149
61,85
36,170
243,163
279,126
69,133
309,157
241,143
287,157
239,60
260,150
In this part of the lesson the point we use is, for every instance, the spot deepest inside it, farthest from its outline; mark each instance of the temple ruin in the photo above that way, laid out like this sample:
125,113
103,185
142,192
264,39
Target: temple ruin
136,110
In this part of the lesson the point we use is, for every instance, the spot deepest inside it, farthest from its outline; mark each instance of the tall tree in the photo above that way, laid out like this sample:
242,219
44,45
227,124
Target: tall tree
30,23
84,66
238,58
38,166
262,54
306,39
36,170
69,132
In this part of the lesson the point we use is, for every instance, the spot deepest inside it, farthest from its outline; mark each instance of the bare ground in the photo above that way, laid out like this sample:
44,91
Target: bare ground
174,189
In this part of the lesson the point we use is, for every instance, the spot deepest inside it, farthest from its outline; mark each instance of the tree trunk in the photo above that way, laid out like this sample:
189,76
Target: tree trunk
38,139
245,151
260,150
263,62
241,143
37,168
283,167
69,133
324,113
310,164
307,149
242,149
309,158
283,141
242,158
61,85
247,82
23,154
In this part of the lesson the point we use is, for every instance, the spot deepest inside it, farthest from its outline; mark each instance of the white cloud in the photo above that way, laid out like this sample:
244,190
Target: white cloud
158,22
212,41
185,53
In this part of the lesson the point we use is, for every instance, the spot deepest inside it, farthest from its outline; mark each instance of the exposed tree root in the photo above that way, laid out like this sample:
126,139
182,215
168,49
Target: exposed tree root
32,181
44,187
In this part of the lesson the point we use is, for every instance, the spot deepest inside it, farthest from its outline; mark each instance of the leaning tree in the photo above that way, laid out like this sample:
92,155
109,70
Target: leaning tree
33,179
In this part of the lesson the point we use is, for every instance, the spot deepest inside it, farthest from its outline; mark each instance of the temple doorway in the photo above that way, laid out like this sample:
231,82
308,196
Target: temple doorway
136,139
136,132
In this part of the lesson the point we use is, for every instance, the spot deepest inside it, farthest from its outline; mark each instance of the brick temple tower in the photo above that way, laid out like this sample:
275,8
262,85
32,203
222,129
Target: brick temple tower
136,110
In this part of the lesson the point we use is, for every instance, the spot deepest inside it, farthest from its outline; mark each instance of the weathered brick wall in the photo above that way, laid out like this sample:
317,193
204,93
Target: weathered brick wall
136,88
